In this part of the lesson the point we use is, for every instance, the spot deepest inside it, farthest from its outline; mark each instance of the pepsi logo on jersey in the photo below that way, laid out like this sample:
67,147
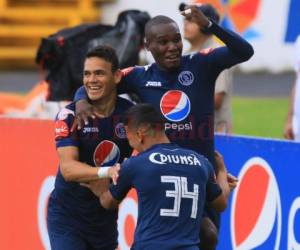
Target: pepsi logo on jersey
175,105
107,153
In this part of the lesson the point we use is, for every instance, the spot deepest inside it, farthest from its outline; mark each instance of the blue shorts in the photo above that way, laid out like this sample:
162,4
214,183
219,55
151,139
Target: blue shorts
67,237
71,232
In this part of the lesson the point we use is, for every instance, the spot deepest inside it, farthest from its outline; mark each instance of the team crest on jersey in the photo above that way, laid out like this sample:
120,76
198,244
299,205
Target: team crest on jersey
63,114
186,78
175,105
61,129
107,153
120,130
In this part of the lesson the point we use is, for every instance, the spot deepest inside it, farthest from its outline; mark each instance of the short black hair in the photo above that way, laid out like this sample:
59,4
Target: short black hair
157,20
106,53
144,114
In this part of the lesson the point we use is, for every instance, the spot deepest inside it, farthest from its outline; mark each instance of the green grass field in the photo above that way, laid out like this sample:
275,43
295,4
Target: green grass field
263,117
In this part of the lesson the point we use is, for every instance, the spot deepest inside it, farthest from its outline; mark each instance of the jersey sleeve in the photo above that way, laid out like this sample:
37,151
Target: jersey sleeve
63,124
80,94
237,49
129,80
213,189
125,180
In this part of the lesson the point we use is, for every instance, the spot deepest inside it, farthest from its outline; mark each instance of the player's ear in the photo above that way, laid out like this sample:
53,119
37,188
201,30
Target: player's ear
146,43
140,135
117,76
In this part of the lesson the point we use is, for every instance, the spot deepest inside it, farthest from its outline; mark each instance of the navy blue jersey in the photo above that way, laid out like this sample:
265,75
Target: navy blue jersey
102,142
185,97
172,185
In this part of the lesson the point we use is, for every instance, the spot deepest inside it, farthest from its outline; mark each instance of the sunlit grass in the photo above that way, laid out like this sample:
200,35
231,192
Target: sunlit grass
262,117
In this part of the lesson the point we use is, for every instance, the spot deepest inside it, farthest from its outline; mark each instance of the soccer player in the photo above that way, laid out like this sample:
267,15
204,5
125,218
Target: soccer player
76,220
182,89
172,184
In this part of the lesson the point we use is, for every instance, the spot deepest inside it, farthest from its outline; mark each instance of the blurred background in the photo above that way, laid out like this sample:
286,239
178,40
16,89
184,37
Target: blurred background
261,87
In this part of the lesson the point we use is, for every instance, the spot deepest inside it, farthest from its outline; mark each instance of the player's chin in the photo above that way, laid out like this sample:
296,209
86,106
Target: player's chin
94,96
172,64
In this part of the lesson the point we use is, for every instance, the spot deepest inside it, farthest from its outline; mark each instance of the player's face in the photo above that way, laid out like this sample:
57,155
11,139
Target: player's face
191,30
98,78
165,44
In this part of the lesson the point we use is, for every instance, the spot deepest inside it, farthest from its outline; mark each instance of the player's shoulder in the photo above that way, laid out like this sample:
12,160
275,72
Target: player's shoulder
66,112
124,103
135,70
192,58
201,158
64,121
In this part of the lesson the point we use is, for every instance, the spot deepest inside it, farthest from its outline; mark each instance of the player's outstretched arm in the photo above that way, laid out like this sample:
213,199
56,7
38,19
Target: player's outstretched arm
74,170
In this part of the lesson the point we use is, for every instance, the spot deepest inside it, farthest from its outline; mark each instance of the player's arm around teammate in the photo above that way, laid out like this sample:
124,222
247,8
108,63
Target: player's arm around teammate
74,170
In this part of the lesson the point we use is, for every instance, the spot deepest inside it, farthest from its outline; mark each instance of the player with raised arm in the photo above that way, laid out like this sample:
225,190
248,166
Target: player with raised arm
182,89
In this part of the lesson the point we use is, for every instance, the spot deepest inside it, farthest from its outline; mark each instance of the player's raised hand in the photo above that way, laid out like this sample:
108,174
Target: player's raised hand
196,15
113,173
83,111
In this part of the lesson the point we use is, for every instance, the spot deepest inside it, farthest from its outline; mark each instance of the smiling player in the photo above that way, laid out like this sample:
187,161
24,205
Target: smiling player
76,220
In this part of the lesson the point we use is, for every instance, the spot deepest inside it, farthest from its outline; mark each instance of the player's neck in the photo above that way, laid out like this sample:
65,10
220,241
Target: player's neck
106,105
153,140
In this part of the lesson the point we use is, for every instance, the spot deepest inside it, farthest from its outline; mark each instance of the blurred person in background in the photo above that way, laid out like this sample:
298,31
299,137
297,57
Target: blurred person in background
182,89
201,40
172,183
292,125
76,220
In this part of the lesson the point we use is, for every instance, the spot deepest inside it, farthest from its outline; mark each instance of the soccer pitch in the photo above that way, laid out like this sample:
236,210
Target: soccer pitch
263,117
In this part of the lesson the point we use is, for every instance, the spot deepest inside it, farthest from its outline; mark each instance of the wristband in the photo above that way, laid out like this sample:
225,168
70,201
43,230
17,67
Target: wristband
103,172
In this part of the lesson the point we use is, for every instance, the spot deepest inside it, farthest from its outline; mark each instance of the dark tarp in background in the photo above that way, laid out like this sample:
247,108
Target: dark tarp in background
62,54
